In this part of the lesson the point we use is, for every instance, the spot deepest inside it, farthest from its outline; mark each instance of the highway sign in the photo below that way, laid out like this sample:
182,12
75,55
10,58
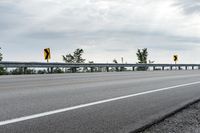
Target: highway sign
47,54
175,58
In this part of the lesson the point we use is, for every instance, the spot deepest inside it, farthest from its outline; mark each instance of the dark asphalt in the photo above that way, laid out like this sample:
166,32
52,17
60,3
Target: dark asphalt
32,94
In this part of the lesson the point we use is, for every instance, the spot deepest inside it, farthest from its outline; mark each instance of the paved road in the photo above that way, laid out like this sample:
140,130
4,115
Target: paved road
92,103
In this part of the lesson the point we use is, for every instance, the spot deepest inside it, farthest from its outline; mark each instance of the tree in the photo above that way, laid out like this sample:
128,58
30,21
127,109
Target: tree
1,55
116,62
3,71
76,57
151,62
68,58
142,55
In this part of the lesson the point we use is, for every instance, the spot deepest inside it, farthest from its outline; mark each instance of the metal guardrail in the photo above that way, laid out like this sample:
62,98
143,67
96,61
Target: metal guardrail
100,65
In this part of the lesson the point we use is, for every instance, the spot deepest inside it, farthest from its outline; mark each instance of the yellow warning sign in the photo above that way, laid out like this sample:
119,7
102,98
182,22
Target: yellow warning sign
47,54
175,57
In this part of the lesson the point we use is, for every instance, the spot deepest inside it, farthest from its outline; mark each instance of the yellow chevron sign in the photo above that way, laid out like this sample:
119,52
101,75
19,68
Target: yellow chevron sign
47,54
175,58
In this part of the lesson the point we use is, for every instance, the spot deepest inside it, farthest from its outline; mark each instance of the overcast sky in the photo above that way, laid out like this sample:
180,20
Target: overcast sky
105,29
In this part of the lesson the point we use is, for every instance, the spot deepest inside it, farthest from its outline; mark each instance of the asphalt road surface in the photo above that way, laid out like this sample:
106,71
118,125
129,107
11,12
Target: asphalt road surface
92,102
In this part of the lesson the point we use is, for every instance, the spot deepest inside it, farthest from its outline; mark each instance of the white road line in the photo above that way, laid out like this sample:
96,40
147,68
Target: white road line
16,120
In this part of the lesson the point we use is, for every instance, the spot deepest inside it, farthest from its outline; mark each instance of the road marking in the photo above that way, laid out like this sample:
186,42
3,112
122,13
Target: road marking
16,120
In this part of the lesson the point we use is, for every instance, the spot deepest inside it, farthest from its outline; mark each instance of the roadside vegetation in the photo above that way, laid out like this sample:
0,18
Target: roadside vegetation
1,55
142,55
2,70
75,57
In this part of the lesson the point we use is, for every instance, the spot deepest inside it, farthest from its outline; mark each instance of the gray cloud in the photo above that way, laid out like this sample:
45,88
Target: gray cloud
98,26
189,6
10,16
46,35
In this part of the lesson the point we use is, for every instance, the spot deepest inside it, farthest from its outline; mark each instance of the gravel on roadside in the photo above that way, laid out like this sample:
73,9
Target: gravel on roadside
186,121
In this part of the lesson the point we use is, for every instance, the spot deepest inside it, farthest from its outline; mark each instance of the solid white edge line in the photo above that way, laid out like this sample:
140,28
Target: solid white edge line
16,120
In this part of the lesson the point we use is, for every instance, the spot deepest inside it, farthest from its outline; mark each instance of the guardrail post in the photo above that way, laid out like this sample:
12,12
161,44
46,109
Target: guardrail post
192,67
121,68
25,70
163,68
198,67
186,68
73,69
154,68
133,68
171,67
92,69
107,69
179,67
51,69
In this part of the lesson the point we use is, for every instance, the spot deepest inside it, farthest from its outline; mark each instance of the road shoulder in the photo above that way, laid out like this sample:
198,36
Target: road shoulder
185,121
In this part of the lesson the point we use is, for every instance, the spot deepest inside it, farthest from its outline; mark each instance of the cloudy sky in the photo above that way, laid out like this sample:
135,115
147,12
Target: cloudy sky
105,29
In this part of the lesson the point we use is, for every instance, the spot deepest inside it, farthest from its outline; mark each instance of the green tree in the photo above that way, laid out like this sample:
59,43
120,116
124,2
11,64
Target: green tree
3,71
1,55
68,58
76,57
142,55
116,62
